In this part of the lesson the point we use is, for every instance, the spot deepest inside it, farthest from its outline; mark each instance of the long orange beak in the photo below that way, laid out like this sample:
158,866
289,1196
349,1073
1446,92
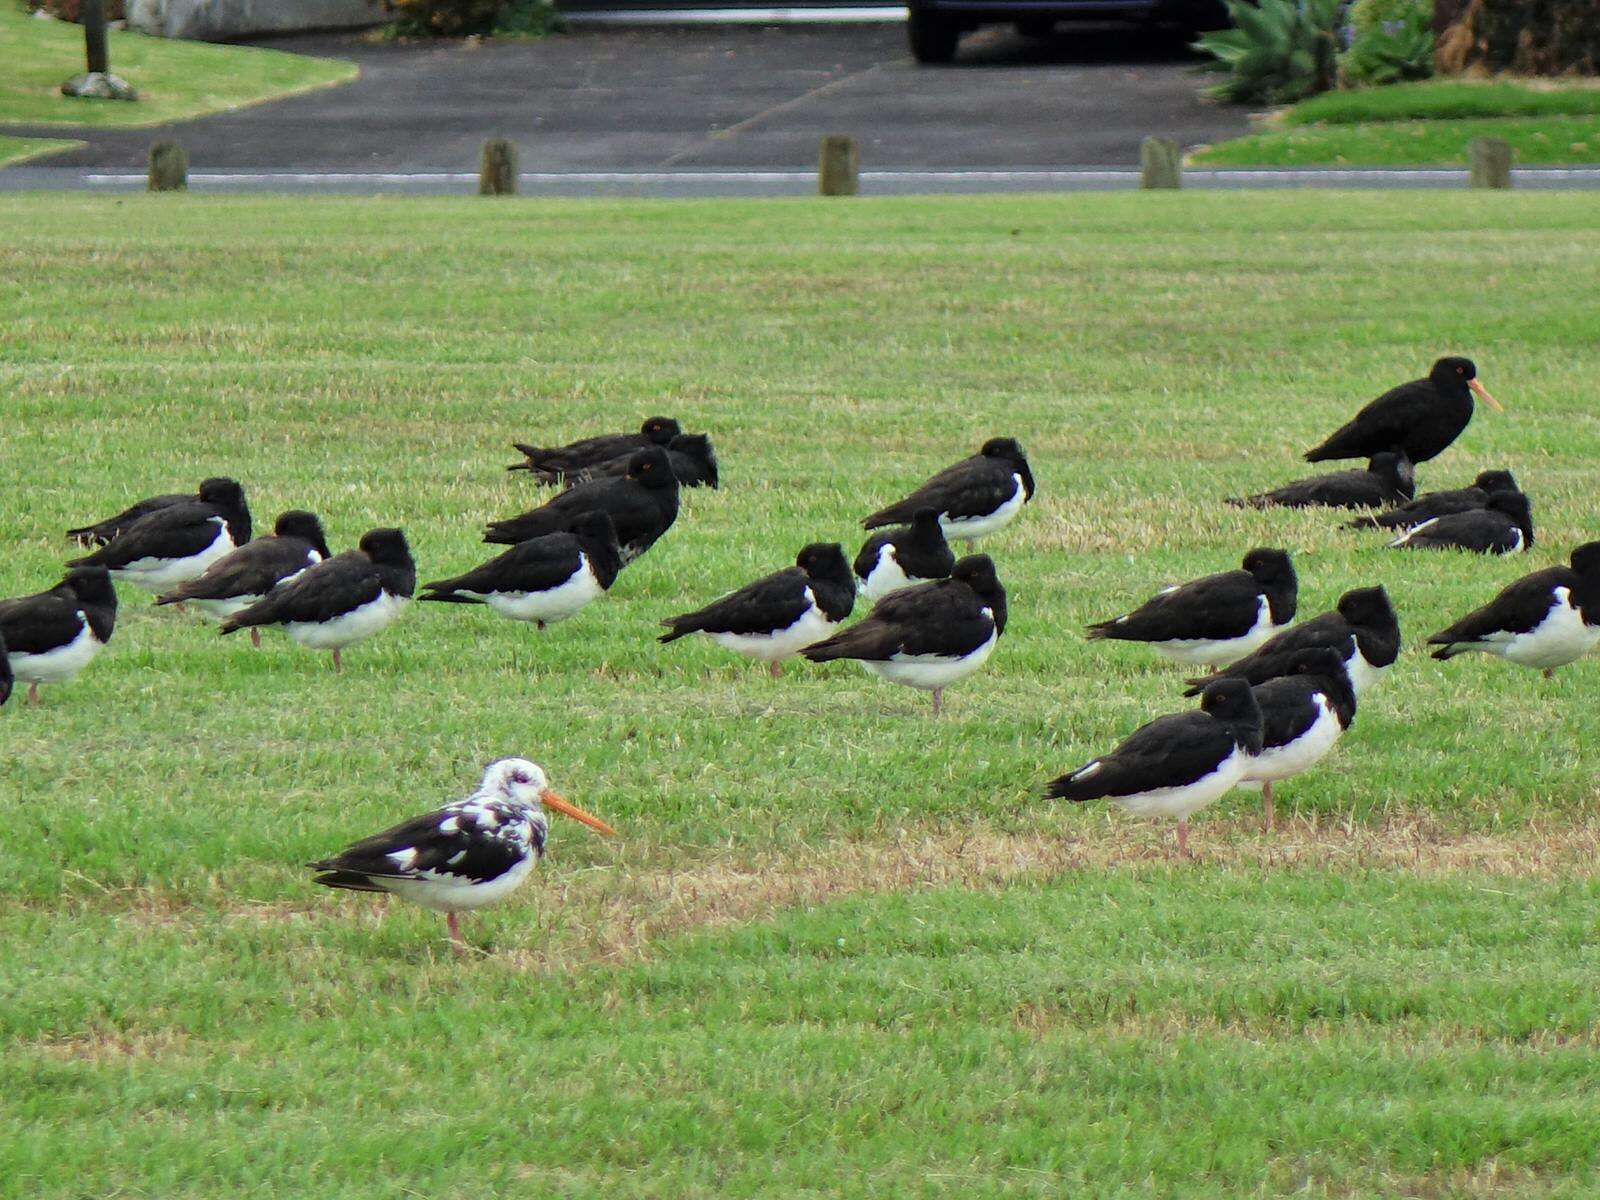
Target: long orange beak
551,800
1482,393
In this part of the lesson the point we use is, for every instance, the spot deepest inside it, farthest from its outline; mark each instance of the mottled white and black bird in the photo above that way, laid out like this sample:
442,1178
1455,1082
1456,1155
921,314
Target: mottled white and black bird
642,506
1439,504
1544,620
552,464
779,615
693,462
1417,419
1503,526
50,636
468,854
1215,620
928,636
1303,714
341,600
976,496
544,579
1387,481
907,554
176,543
238,579
98,533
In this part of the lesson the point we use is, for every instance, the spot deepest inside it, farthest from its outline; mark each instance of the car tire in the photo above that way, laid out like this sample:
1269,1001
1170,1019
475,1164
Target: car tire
933,37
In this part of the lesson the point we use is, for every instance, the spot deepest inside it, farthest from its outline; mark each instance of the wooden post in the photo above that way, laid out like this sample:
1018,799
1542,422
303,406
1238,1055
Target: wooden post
1159,163
838,166
93,15
1488,163
169,168
497,175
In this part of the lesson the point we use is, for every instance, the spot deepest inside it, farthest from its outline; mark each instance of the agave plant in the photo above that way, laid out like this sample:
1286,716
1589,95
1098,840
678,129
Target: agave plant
1278,51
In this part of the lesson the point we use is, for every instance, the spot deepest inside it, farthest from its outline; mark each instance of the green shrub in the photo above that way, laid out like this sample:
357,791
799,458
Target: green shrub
444,18
1366,15
1392,42
530,18
1279,51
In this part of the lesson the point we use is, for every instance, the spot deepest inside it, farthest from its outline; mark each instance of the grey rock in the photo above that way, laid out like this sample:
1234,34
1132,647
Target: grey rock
95,86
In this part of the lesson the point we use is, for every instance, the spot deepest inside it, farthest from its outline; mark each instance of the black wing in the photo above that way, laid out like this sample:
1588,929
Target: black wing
1276,656
945,617
1481,530
1519,607
39,623
177,531
771,603
1226,605
1342,489
629,508
330,589
251,570
1381,425
1424,508
557,461
973,487
537,565
1288,709
484,850
1171,751
5,672
103,531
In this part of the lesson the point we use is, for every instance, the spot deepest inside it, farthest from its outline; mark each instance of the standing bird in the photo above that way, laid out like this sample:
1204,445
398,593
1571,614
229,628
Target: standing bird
552,464
98,533
976,496
693,462
1177,764
1363,630
237,580
1439,504
907,554
1388,480
466,855
51,636
1216,620
1544,620
544,579
781,614
928,636
642,506
176,543
1417,419
1503,526
342,600
1303,714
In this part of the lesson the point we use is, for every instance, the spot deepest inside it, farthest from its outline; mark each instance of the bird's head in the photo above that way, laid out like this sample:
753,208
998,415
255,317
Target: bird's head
651,468
1586,559
1232,702
297,523
1268,564
1366,606
824,560
658,431
522,781
386,546
1454,371
91,585
221,491
1495,481
1009,450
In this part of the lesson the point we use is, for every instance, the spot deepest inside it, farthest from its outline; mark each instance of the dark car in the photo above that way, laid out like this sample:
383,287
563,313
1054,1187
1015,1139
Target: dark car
935,26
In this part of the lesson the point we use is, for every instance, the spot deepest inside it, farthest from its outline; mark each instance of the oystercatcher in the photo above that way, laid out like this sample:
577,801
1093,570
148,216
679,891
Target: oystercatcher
1503,526
779,615
468,854
693,462
1177,764
1303,714
176,543
642,506
1544,620
976,496
930,635
52,635
1440,504
1417,419
98,533
544,579
342,600
1388,480
908,554
551,464
1215,620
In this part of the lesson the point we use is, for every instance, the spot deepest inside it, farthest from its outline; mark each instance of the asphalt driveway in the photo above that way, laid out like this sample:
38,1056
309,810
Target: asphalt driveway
733,97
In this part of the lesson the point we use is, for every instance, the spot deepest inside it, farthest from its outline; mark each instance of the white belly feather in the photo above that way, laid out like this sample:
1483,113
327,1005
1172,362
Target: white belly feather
60,664
354,626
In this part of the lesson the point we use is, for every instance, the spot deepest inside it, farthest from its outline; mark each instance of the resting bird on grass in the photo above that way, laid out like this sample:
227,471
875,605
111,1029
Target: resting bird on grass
1439,504
1303,714
642,506
907,554
51,636
1417,419
1503,526
1544,620
976,496
177,542
465,855
693,463
1388,480
552,464
98,533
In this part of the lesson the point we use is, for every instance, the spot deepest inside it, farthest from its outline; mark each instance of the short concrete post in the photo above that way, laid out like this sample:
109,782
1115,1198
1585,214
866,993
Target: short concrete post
1159,163
1489,163
169,168
839,166
497,176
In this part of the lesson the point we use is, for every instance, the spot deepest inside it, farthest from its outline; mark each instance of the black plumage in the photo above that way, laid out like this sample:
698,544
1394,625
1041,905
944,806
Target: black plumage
51,635
1417,419
175,532
905,554
254,569
1388,480
543,579
98,533
973,497
693,462
1503,526
1439,504
5,672
1303,713
551,464
476,842
642,506
1544,620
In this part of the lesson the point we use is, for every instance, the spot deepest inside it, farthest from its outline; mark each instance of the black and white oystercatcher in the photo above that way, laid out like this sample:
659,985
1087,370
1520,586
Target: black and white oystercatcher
342,600
1177,764
238,579
976,496
552,464
100,532
51,636
1544,620
693,462
642,506
928,636
1216,620
1417,419
176,543
1440,504
544,579
466,855
1388,480
1302,715
1503,526
779,615
908,554
1363,630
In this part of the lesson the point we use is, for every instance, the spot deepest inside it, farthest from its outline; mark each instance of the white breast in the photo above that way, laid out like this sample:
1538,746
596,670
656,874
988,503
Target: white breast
354,626
1181,802
1561,638
1282,762
551,606
930,671
811,626
1221,652
1362,674
448,893
976,527
886,575
60,664
164,574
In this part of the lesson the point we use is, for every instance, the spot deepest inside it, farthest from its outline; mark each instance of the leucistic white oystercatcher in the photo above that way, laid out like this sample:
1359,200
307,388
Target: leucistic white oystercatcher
1503,526
552,464
907,554
1544,620
466,855
1417,419
974,497
176,543
51,636
1302,715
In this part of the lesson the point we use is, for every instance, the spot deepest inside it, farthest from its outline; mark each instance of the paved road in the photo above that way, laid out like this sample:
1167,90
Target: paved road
707,98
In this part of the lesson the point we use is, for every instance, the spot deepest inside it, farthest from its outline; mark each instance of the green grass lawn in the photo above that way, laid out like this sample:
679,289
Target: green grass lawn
1421,124
15,149
176,79
840,949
